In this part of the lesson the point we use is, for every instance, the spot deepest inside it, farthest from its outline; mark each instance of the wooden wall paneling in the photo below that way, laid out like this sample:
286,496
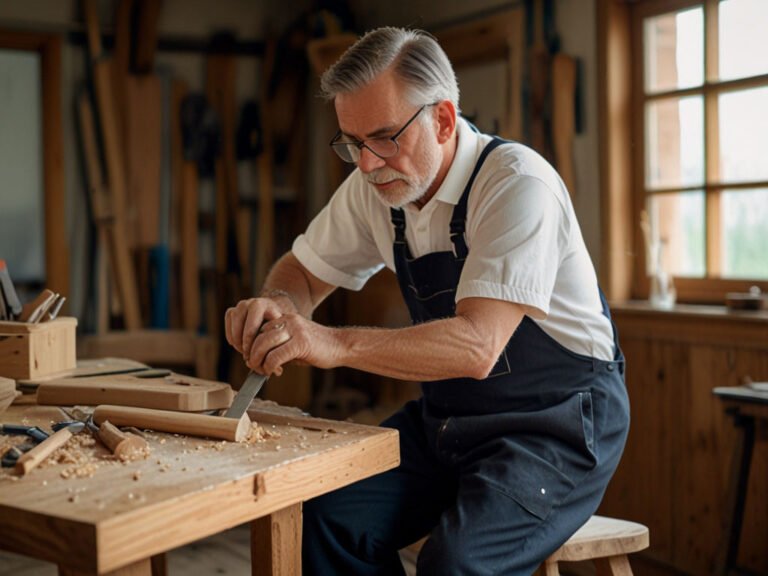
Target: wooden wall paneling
707,434
678,461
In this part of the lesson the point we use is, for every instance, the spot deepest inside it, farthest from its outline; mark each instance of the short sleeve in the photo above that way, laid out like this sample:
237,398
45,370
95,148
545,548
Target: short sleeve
517,234
338,245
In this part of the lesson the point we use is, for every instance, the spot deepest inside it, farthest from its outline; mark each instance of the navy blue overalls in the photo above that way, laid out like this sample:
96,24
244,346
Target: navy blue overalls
498,472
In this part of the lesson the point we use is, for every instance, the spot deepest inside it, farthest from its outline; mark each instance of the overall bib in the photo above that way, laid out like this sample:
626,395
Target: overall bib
498,472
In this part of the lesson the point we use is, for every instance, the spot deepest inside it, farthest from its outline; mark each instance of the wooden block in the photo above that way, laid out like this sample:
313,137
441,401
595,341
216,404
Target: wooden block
33,350
172,392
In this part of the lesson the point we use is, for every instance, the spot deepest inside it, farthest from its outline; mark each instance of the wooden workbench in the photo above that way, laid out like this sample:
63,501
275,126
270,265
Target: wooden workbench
109,517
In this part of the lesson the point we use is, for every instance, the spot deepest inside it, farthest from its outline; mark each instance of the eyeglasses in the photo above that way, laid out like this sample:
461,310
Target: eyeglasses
382,147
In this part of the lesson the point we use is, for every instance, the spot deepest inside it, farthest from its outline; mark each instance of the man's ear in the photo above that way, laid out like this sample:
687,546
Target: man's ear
446,120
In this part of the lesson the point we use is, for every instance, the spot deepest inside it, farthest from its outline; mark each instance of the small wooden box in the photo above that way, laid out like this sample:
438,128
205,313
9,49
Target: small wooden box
34,350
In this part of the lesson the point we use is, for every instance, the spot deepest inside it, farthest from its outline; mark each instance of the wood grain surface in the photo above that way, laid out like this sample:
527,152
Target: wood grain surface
187,489
172,392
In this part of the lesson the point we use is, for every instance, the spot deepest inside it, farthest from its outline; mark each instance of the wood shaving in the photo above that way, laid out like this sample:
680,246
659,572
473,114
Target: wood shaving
259,434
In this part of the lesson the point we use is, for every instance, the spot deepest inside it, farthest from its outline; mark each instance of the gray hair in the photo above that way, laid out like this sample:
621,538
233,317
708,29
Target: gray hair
416,57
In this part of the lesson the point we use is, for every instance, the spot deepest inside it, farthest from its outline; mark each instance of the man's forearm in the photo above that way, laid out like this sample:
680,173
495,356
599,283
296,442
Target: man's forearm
291,285
442,349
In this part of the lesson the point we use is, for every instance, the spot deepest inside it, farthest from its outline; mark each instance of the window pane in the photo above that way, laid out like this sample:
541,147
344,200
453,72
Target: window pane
674,142
674,50
744,241
680,221
743,38
744,135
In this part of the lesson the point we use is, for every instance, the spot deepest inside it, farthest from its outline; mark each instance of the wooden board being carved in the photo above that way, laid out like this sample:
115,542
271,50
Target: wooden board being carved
172,392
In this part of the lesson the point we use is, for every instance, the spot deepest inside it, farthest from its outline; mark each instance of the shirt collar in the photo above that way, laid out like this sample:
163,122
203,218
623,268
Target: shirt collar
461,168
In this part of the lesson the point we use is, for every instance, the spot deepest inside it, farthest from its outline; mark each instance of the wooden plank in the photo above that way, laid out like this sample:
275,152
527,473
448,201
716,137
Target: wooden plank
146,36
172,392
102,77
144,155
614,79
186,214
56,253
276,543
564,117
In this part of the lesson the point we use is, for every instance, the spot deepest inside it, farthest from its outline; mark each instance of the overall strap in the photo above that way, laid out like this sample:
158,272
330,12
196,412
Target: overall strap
459,217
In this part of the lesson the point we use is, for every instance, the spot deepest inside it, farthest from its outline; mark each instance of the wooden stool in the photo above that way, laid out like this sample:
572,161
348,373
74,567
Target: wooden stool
606,541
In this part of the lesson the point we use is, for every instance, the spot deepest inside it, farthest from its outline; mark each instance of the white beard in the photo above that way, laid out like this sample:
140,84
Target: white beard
409,188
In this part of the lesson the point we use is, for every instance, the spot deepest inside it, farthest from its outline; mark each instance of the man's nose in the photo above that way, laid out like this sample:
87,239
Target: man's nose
369,161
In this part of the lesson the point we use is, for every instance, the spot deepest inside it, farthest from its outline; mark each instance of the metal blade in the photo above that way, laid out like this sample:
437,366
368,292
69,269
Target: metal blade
245,395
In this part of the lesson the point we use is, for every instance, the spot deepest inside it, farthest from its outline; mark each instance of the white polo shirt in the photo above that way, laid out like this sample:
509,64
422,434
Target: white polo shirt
524,241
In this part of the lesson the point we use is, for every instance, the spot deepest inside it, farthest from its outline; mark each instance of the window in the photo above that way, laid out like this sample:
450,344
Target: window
701,112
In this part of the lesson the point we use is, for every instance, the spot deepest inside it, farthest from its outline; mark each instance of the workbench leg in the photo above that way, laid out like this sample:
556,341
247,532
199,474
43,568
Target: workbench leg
140,568
159,565
276,543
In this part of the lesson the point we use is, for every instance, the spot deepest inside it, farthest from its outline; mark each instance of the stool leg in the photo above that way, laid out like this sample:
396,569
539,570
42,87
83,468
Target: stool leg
613,566
548,569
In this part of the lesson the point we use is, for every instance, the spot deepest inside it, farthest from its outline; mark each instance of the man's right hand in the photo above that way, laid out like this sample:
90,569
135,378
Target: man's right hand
242,323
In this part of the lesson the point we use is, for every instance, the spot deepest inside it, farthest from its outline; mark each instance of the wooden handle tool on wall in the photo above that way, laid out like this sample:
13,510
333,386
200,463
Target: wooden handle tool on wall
234,430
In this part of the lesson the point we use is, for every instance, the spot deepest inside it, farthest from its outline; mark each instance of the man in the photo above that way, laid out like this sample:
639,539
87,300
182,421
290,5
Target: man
524,411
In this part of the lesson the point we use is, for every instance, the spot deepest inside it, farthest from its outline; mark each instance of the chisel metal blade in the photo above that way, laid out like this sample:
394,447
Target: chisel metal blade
245,395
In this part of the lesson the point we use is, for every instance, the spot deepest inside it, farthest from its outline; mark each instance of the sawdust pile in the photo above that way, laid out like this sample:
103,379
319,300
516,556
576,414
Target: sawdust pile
260,434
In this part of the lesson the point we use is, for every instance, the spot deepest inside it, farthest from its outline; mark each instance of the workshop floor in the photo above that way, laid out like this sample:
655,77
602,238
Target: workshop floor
226,553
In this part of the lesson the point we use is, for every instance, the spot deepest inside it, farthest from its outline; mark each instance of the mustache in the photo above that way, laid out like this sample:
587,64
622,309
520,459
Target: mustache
383,175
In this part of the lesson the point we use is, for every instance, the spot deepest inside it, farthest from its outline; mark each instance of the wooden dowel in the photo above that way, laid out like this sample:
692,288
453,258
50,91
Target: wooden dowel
175,422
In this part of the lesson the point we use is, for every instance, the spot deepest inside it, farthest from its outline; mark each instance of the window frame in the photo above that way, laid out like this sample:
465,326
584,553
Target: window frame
613,18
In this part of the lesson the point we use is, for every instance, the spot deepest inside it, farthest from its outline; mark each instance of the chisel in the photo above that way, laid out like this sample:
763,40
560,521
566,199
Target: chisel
31,459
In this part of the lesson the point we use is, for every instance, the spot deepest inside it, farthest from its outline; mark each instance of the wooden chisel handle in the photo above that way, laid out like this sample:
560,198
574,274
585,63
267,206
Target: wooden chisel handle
33,311
234,430
29,460
122,444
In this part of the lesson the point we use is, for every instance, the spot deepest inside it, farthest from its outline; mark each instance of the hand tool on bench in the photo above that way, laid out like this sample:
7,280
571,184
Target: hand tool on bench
37,434
31,459
55,308
124,445
234,425
34,310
